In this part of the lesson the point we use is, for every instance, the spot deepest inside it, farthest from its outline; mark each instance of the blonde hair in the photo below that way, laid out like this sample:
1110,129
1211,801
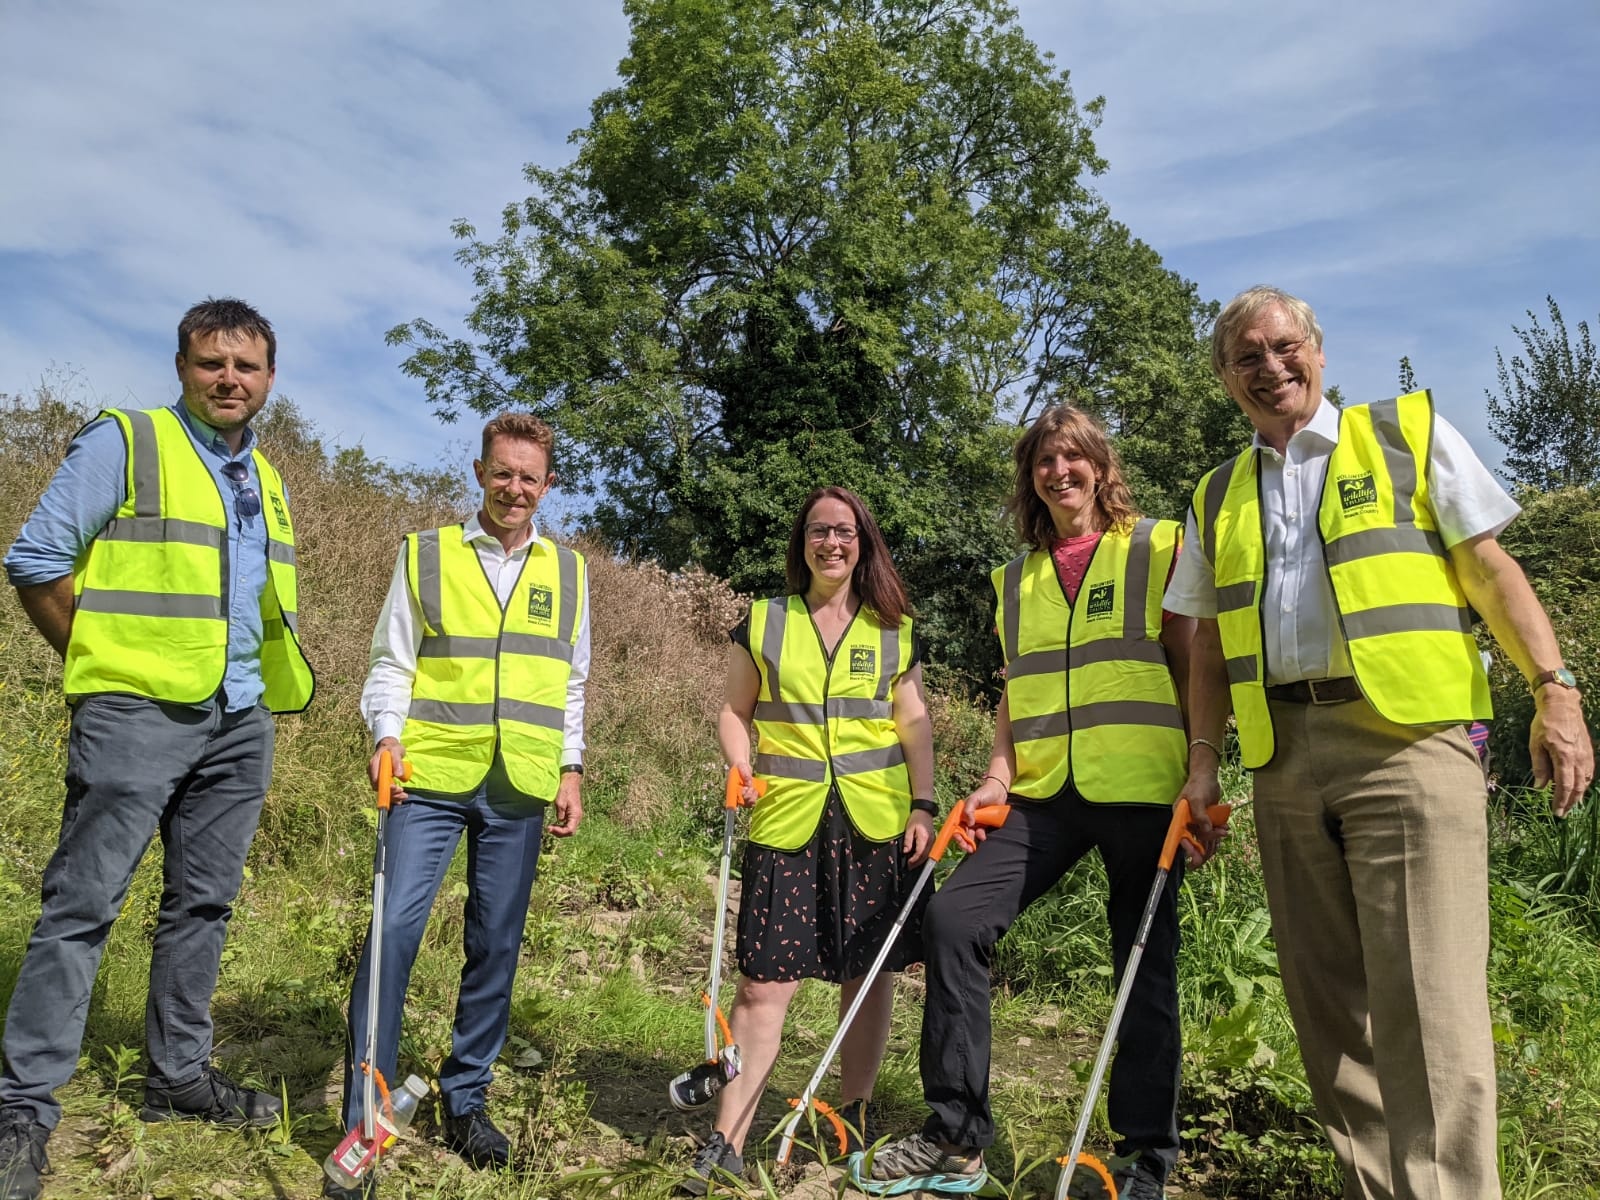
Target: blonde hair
1248,305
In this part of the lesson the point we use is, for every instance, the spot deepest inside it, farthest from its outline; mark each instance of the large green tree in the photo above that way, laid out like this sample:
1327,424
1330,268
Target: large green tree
1547,414
844,241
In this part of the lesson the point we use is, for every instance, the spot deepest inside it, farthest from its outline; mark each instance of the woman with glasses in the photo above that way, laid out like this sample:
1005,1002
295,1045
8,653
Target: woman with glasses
824,702
1090,752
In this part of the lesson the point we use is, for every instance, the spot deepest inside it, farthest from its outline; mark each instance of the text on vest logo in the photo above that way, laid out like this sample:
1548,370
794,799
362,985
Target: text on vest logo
1102,599
541,603
279,513
863,662
1357,492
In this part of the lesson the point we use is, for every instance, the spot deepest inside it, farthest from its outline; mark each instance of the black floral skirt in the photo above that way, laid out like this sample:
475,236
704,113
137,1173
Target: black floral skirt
823,911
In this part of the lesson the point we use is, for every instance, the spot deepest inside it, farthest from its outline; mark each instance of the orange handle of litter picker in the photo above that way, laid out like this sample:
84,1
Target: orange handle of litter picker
387,775
1178,832
734,797
834,1119
991,816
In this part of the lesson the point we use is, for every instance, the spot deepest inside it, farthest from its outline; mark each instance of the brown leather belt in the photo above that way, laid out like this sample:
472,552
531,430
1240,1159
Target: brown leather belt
1317,691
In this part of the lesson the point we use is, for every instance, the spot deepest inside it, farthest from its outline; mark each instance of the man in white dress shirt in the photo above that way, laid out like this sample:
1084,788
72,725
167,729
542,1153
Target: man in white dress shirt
1331,567
479,661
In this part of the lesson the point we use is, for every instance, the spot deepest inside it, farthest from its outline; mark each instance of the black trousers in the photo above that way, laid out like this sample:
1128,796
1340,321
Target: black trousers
1017,864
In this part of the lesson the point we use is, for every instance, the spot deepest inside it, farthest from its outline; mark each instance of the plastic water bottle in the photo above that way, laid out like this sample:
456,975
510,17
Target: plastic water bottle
350,1159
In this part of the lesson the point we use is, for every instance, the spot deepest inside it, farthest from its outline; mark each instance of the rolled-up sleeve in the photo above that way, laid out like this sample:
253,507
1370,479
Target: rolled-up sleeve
84,494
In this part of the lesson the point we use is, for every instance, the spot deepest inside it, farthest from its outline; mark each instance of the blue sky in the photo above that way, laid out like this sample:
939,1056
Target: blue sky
1422,174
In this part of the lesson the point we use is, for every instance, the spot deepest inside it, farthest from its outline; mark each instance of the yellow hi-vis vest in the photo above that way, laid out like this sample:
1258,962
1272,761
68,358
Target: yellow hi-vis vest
1088,687
1401,608
824,720
149,618
489,677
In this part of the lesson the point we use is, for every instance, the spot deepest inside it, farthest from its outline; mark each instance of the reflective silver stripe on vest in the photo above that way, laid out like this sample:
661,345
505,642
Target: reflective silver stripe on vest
862,761
146,454
280,552
569,596
1236,596
1011,605
1117,650
1242,669
545,716
430,584
782,766
888,660
163,529
1038,662
291,618
1216,489
849,707
440,712
536,646
1369,543
1126,712
150,604
1407,618
790,711
1397,457
772,642
1137,580
1031,729
437,645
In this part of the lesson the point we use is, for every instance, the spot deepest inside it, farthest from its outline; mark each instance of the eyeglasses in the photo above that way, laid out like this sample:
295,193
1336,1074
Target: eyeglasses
818,532
1249,364
245,498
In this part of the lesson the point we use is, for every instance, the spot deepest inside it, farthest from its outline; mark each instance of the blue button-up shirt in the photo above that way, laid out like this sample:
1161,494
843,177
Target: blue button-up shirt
89,487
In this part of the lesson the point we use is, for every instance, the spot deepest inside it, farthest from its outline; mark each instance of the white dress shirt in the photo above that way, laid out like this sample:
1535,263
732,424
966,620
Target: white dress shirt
386,697
1299,618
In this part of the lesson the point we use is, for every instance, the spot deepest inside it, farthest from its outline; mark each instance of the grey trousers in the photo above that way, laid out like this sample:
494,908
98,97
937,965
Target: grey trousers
135,767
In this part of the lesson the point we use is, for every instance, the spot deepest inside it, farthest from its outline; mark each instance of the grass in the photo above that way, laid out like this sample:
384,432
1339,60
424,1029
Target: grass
606,1008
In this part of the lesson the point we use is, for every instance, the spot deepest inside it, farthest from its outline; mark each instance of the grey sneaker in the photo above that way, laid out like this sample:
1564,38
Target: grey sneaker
917,1163
714,1162
1142,1181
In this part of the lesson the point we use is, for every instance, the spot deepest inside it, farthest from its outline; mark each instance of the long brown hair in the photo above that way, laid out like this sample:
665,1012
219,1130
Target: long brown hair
874,579
1083,433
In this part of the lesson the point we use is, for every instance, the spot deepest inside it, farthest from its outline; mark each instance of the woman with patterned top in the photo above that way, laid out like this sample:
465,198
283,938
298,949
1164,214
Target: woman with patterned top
825,683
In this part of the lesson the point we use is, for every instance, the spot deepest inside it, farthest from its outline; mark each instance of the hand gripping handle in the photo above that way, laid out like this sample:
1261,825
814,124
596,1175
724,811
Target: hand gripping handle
1180,831
733,797
387,775
990,816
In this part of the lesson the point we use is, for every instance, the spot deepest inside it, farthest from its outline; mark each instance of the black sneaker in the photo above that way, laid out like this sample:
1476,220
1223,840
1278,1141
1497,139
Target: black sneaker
22,1156
1144,1180
365,1190
715,1159
477,1139
856,1135
212,1097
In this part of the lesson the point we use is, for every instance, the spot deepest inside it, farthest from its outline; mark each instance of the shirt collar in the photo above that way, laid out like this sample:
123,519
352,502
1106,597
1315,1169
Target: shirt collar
1323,426
472,530
211,437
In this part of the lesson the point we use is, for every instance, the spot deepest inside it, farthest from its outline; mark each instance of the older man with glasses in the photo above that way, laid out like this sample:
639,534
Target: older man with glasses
153,568
1334,567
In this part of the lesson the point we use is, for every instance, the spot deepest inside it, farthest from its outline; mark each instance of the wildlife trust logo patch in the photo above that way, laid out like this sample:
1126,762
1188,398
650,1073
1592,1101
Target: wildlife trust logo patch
1357,493
863,662
541,603
1102,600
280,514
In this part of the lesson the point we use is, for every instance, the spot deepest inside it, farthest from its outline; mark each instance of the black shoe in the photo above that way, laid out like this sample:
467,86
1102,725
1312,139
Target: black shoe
856,1135
365,1190
1144,1180
475,1138
715,1158
22,1156
212,1097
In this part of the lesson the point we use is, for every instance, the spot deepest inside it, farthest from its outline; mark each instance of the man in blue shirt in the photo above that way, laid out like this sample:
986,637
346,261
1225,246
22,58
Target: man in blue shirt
159,564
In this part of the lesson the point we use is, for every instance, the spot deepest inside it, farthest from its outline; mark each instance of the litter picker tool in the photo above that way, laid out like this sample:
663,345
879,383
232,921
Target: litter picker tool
1093,1179
372,1079
700,1083
991,816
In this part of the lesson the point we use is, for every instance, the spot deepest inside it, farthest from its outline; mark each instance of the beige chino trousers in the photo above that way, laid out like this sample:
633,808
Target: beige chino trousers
1374,844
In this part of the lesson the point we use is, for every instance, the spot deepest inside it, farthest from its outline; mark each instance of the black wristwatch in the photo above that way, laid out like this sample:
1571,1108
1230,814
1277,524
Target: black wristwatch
930,807
572,769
